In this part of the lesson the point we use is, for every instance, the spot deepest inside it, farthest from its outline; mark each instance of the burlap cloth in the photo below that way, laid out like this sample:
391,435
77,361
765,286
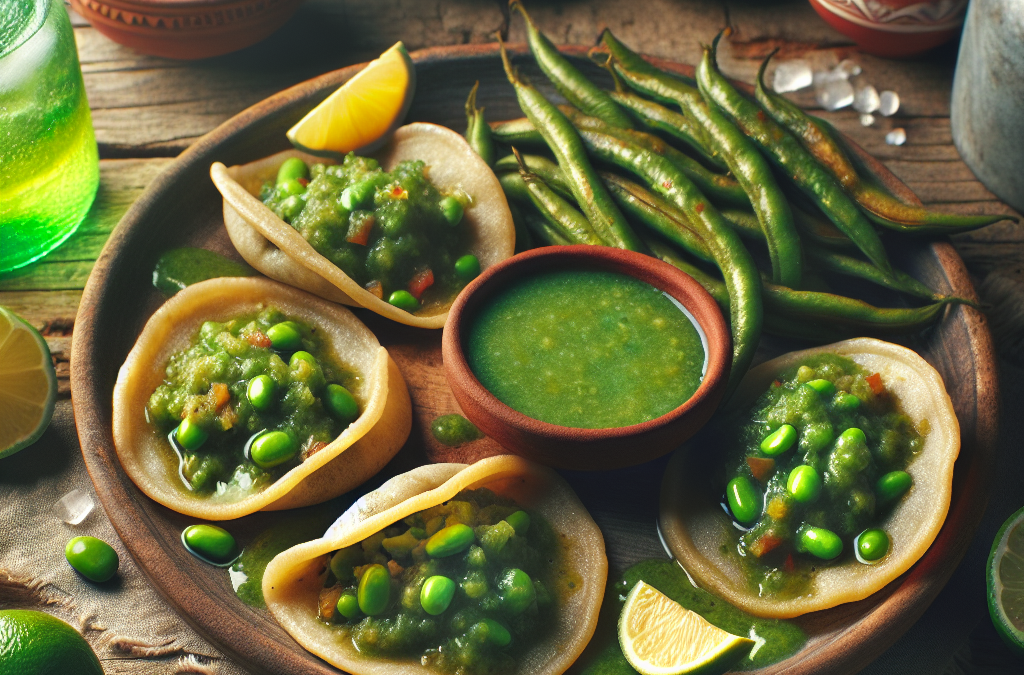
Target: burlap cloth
134,631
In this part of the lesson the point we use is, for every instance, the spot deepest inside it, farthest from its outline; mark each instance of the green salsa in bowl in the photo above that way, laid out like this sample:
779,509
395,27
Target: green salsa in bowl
586,357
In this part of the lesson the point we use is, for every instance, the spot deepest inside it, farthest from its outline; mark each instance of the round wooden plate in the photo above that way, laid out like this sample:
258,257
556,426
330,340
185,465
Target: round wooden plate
182,208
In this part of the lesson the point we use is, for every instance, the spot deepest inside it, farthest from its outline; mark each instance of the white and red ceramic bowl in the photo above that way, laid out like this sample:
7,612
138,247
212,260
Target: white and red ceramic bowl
894,28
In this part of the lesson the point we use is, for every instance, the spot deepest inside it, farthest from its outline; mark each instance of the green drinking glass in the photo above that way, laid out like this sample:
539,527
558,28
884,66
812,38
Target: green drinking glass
49,166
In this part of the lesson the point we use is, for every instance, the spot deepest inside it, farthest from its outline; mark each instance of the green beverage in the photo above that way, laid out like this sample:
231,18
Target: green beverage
49,167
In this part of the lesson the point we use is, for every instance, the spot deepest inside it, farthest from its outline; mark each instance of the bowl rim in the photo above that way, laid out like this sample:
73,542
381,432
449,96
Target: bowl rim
681,286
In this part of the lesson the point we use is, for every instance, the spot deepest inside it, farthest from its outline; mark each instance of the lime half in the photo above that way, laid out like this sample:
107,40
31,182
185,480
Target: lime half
659,636
28,384
1006,582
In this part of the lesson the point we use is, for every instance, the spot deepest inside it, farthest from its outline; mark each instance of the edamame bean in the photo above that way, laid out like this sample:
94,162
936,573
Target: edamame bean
467,267
190,435
357,194
744,500
285,335
844,401
261,392
804,484
515,588
852,437
823,387
374,590
404,300
437,594
779,441
293,168
303,356
520,522
290,187
341,404
291,207
450,540
451,209
494,632
348,606
345,560
273,448
892,486
93,558
210,542
872,545
819,542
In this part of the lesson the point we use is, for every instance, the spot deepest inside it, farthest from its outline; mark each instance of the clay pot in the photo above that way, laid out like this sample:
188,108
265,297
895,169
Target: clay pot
186,29
894,28
575,448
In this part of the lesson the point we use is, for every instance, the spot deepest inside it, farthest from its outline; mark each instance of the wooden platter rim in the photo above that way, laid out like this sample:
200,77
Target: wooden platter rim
856,646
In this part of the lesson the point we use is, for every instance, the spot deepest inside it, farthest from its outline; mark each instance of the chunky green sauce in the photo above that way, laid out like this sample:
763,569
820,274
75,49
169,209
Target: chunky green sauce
460,587
179,268
586,348
802,496
232,437
454,430
391,232
774,640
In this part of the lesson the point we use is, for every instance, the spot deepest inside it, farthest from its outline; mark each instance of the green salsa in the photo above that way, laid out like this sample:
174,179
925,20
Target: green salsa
811,469
774,639
586,348
460,587
250,399
394,232
179,268
454,430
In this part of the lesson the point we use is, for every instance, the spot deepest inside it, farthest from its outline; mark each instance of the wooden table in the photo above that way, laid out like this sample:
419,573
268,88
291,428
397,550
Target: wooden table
146,110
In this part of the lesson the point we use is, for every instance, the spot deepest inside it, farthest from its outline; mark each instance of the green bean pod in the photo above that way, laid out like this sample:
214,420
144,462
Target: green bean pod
524,236
714,185
562,215
656,117
831,261
568,149
821,231
735,262
477,132
745,162
787,153
518,132
542,230
569,81
549,172
819,139
561,222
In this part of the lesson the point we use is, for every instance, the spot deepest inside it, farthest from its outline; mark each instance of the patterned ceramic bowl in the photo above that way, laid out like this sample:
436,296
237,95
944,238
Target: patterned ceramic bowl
186,29
894,28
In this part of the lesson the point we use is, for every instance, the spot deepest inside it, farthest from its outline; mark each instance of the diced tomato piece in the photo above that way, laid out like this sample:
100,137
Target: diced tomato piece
359,231
765,545
700,208
789,565
421,281
398,192
221,395
875,382
395,569
375,288
302,181
761,467
258,339
776,384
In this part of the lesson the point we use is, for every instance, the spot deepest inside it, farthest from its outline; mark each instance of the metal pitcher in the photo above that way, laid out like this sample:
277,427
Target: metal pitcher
988,97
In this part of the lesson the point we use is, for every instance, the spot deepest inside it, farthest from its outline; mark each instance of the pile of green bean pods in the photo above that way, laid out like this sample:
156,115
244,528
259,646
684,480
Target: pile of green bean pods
709,179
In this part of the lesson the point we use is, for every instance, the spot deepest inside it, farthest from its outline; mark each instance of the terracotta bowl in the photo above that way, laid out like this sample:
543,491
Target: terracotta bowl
186,29
575,448
894,28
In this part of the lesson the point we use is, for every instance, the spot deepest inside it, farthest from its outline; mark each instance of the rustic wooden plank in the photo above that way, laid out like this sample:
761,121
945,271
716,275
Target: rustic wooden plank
947,191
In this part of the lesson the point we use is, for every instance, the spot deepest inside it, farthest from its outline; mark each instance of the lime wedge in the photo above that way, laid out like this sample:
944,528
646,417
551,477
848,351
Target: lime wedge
1006,582
362,112
28,384
661,637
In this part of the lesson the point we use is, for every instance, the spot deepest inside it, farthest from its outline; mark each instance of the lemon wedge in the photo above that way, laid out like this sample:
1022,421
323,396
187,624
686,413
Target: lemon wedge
661,637
363,111
1006,582
28,384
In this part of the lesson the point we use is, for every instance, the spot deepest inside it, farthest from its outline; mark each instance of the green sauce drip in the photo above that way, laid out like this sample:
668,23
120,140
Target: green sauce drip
454,430
775,639
179,268
247,572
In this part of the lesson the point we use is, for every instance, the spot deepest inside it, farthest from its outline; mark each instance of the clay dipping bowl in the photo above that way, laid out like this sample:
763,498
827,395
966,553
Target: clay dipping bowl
570,447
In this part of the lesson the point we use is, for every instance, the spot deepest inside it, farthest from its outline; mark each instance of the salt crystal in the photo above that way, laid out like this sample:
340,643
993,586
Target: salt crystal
792,75
823,77
888,103
834,95
73,507
848,68
866,100
897,136
867,119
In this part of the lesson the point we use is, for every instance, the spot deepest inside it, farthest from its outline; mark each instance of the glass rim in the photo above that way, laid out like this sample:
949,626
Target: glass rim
38,19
